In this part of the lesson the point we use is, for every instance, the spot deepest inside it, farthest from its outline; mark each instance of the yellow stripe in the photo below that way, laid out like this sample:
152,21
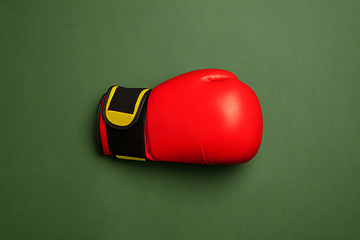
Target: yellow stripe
120,118
111,96
130,158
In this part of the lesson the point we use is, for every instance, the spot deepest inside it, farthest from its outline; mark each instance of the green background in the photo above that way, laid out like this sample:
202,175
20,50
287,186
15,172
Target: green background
302,58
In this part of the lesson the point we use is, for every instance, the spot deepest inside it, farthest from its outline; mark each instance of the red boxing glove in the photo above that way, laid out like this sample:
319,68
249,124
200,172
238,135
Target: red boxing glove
204,117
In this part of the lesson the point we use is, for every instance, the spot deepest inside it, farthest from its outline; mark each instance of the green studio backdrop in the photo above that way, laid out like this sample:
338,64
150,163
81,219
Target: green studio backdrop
57,58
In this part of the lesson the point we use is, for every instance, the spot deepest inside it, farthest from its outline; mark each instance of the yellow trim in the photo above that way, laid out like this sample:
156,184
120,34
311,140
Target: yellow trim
120,118
130,158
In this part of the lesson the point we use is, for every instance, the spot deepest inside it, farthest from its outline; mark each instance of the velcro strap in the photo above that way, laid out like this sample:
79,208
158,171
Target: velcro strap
122,106
121,122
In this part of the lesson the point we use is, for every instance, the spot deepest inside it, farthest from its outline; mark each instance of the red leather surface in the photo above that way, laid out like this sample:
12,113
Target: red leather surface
102,129
205,116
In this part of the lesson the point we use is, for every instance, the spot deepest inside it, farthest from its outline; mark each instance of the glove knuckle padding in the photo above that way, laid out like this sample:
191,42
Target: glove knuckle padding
205,116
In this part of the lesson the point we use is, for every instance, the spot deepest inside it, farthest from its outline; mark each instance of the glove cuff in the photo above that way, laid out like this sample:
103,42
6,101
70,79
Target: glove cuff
120,122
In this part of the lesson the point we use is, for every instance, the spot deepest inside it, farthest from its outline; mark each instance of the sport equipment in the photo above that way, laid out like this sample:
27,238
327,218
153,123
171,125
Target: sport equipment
204,116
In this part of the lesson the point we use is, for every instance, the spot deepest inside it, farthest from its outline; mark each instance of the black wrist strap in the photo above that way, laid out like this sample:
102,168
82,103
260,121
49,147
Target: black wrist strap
123,111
